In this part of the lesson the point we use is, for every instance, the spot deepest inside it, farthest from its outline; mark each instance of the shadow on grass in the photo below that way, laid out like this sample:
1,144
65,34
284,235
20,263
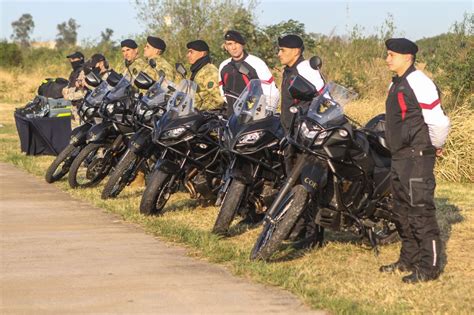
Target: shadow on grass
447,215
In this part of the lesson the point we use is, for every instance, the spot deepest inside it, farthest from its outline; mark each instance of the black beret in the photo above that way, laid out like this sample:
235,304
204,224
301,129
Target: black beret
130,43
76,54
401,46
96,58
290,41
235,36
156,42
198,45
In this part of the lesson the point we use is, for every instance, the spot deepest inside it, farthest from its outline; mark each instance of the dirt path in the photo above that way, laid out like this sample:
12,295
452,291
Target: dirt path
60,255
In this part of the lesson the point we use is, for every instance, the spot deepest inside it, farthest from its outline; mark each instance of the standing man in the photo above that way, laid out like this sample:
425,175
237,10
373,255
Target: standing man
205,74
231,81
76,90
290,53
133,64
154,49
416,130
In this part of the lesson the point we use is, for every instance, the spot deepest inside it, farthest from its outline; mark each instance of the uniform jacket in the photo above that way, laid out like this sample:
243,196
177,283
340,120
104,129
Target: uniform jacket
414,119
162,64
208,96
230,79
301,67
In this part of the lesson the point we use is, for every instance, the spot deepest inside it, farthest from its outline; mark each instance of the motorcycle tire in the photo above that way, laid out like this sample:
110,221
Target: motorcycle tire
85,153
120,176
282,222
156,193
60,163
229,208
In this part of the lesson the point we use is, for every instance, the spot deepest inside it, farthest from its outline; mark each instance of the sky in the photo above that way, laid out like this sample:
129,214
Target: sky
413,19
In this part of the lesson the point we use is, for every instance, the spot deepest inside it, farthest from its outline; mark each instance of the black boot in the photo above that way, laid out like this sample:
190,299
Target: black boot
396,266
420,276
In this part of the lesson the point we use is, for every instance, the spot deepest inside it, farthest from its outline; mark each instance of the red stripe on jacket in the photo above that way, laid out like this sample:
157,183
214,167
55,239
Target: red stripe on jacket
429,106
403,105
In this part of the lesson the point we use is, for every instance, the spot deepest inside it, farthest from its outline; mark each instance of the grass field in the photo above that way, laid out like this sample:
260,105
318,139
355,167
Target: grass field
342,277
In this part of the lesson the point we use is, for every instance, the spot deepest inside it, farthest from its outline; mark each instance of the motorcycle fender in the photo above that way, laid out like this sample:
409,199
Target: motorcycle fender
79,134
167,166
140,141
100,132
240,176
313,177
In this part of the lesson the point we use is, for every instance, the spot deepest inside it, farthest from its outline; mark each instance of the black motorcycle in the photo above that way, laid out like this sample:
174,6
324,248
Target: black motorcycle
88,113
340,177
189,146
251,141
141,154
107,141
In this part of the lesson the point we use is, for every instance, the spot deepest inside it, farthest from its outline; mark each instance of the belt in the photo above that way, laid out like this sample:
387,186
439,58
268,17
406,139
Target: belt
412,152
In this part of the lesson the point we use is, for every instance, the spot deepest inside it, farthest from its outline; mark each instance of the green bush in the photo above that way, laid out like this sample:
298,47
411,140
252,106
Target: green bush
10,55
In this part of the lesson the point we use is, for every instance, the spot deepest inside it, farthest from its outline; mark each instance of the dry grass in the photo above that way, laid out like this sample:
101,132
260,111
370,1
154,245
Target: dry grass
341,277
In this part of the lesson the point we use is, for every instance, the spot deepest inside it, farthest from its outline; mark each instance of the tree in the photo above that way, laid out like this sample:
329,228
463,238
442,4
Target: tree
106,36
67,34
22,28
179,22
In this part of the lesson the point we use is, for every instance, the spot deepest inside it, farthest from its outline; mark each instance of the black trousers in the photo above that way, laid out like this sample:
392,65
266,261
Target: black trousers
413,186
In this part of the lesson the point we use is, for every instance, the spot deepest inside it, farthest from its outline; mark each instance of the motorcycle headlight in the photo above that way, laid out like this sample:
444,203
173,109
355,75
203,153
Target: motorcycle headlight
250,137
110,108
174,133
89,111
308,131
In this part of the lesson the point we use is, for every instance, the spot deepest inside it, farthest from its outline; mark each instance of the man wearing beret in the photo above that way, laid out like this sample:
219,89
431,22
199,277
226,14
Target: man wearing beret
133,64
205,74
231,81
416,130
154,49
290,53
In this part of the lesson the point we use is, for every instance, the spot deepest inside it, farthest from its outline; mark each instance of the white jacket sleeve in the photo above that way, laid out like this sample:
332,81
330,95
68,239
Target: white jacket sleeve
427,96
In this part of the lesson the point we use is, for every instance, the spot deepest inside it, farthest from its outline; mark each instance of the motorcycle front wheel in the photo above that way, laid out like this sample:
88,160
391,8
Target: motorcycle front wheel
156,194
121,176
61,164
279,224
90,166
229,208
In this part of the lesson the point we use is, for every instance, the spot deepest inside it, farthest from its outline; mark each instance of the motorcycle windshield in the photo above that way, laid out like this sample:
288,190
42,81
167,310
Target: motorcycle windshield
329,105
181,103
97,95
155,95
255,102
120,90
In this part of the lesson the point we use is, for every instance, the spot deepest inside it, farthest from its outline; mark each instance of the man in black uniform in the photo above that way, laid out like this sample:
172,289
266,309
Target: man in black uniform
416,129
232,82
290,53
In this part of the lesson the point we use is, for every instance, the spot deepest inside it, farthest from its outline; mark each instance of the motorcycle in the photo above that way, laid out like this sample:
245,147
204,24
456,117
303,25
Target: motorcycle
189,146
89,116
141,154
341,177
107,141
251,141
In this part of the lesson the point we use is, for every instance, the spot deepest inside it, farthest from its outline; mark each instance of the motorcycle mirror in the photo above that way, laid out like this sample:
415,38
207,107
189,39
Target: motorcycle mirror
143,81
93,79
302,89
181,69
161,74
243,69
152,63
113,78
293,109
315,62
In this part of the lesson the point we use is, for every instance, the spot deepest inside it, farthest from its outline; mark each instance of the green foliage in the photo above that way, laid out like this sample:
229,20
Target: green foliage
67,34
450,58
10,55
22,28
